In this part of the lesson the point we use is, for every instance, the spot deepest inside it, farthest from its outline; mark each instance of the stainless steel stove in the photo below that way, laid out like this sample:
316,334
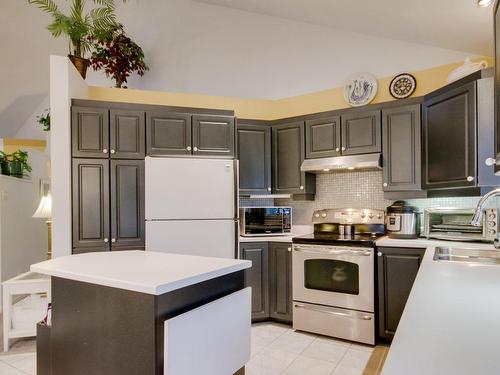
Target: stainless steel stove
333,274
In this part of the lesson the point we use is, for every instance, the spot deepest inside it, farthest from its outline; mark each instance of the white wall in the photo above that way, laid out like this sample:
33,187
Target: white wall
201,48
65,84
31,129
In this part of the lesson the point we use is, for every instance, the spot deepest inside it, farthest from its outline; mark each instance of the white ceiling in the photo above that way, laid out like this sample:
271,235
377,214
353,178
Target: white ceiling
452,24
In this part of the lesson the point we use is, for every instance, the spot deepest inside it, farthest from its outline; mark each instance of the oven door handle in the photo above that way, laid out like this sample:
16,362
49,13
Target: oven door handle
331,251
338,313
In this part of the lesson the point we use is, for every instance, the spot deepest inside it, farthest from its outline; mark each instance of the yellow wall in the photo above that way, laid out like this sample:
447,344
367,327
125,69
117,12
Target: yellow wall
13,144
427,80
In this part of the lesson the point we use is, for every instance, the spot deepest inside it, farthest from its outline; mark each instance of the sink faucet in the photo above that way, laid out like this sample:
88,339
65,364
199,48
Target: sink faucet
477,218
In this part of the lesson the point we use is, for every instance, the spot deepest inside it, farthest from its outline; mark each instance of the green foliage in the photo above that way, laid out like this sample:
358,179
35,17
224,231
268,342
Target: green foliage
44,120
19,157
80,25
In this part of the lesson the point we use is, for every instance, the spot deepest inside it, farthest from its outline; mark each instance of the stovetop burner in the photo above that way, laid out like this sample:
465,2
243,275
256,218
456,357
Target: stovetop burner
365,227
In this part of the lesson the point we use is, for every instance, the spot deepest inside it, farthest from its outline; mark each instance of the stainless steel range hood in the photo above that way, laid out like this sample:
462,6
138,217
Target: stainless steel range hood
336,163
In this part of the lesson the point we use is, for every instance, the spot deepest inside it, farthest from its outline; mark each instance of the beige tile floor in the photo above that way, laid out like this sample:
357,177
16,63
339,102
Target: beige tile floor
276,349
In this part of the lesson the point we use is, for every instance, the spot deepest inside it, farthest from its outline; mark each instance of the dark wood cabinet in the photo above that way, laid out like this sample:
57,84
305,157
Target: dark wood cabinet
127,134
280,281
168,133
361,132
396,271
401,127
288,155
257,277
91,220
323,137
127,204
213,135
89,132
449,138
254,154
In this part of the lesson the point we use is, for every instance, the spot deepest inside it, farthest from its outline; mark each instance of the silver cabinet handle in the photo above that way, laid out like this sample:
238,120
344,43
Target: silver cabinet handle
269,188
325,311
188,148
195,148
385,184
379,254
470,178
343,148
104,150
337,149
106,240
113,240
301,187
289,249
113,151
490,162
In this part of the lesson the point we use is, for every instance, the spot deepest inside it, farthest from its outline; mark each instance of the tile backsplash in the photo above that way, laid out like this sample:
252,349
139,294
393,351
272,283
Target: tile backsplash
359,189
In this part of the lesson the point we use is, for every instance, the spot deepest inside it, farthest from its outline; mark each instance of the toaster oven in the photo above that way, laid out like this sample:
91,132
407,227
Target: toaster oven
454,224
265,221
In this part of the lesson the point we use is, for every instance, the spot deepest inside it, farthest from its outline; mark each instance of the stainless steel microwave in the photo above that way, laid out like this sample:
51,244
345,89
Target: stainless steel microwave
265,221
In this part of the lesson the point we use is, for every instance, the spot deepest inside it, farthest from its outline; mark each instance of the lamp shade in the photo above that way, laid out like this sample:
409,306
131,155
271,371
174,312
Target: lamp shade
44,209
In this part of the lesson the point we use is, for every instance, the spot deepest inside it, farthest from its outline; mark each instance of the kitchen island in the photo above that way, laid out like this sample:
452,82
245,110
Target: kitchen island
148,313
450,324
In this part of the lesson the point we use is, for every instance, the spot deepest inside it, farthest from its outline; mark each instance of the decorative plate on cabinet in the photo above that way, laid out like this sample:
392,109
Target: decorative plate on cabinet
360,89
403,86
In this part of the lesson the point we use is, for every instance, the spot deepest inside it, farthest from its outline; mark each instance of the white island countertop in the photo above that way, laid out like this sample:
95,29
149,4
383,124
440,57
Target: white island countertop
451,322
140,271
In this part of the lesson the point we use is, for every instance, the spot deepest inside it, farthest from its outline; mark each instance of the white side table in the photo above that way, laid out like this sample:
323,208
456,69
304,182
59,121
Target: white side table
27,283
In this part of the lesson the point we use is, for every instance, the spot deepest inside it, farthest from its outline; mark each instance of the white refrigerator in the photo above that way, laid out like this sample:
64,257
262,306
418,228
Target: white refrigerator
192,206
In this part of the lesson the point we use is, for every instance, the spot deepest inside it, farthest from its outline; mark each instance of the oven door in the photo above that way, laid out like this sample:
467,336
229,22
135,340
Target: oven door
334,276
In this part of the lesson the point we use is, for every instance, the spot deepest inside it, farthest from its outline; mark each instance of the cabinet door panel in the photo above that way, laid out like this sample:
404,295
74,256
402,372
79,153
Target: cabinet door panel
89,132
127,204
288,155
323,137
257,277
91,203
213,135
254,154
449,138
401,153
397,270
361,133
280,275
127,134
168,133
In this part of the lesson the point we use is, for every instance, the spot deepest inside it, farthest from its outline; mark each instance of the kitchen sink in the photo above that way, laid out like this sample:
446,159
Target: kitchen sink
467,255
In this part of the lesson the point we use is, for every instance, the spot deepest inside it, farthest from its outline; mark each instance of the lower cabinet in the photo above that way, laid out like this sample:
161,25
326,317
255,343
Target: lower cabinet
397,269
280,281
270,278
257,277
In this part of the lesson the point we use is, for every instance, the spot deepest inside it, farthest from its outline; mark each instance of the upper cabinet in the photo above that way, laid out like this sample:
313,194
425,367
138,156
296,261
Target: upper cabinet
323,137
99,132
361,132
288,155
213,135
254,154
401,153
168,133
89,132
449,154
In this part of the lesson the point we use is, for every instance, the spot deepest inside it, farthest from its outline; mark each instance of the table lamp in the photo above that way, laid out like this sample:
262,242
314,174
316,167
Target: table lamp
44,211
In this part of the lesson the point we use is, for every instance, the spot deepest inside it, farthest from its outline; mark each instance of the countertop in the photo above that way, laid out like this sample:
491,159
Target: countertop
424,243
297,230
140,271
450,325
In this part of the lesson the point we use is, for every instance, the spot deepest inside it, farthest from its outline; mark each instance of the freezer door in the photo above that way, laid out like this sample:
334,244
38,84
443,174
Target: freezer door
213,238
181,188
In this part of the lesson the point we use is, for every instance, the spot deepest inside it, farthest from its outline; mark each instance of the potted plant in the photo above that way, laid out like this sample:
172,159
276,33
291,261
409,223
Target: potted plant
78,25
17,163
118,55
4,164
44,120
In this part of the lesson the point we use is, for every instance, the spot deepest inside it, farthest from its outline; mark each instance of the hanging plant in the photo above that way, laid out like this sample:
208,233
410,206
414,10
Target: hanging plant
119,56
44,120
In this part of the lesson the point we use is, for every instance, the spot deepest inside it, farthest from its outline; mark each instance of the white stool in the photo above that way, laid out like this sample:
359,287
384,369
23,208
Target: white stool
27,283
